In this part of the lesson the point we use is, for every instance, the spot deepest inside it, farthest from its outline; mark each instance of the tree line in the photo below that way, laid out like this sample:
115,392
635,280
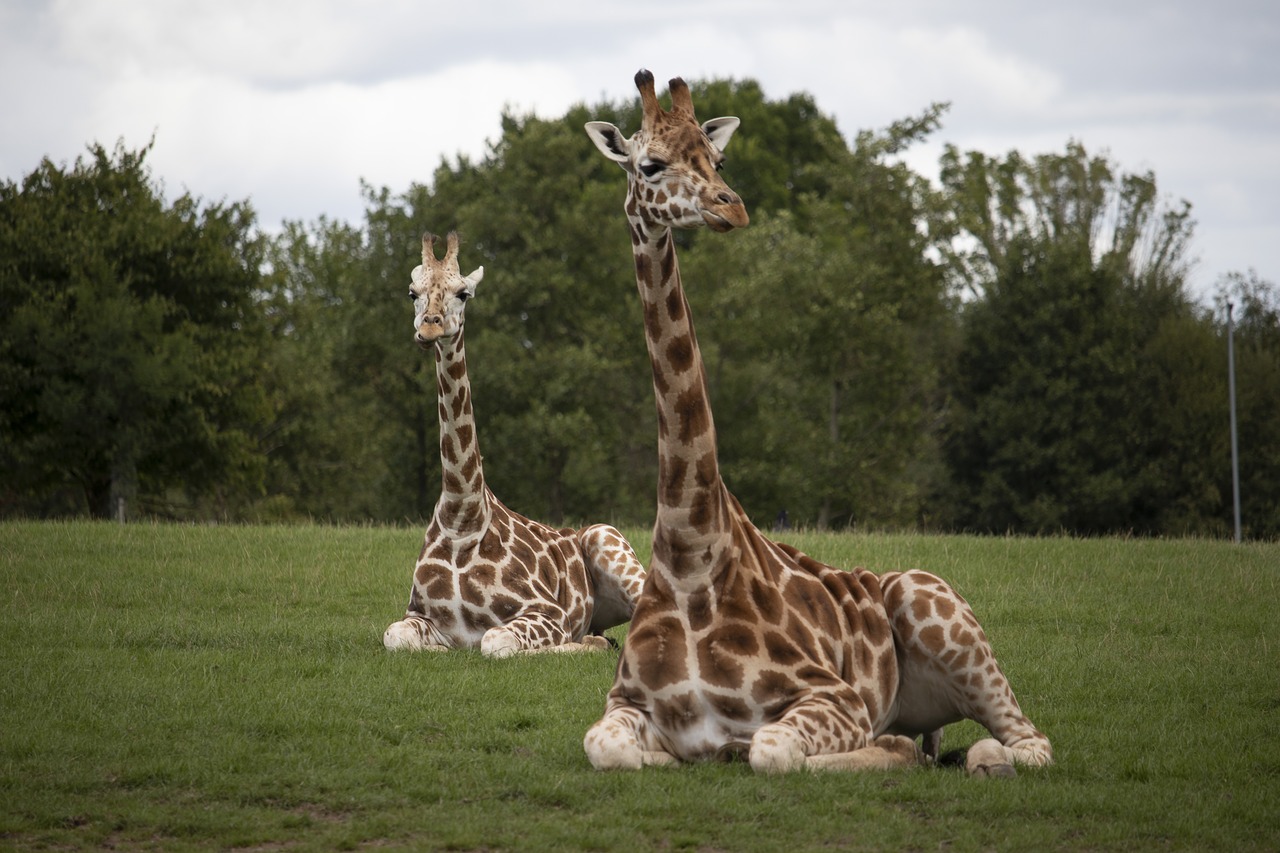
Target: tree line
1012,348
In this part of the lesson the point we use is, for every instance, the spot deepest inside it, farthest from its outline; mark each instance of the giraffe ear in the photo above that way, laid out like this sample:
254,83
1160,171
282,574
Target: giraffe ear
720,130
610,141
472,280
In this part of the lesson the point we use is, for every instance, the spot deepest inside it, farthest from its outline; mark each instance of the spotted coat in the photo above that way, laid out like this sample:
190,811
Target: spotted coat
488,577
740,646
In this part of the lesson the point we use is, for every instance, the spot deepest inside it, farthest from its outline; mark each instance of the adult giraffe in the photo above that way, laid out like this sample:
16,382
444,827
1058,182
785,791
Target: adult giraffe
488,577
739,644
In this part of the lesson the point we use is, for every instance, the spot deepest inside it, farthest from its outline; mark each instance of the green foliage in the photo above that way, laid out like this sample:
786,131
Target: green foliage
129,343
328,446
1042,422
559,382
821,326
559,372
1065,199
1086,385
274,718
1014,349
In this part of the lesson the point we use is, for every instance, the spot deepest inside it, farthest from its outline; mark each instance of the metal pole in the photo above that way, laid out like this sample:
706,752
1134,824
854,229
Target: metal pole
1231,392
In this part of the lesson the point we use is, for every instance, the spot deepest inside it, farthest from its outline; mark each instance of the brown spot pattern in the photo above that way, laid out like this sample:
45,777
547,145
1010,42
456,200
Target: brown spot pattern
778,638
482,565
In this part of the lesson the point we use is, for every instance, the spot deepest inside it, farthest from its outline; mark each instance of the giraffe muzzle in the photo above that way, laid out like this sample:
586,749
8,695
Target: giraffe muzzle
726,219
428,333
725,212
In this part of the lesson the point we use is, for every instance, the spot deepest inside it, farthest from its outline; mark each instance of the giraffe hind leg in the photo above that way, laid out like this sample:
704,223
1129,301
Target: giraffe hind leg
949,671
930,744
617,575
988,757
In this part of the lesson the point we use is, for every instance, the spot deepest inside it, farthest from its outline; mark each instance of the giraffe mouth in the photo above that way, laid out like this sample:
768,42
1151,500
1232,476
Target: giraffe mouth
716,222
737,218
427,336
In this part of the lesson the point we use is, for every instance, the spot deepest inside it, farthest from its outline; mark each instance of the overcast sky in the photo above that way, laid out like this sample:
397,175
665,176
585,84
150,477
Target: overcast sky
290,103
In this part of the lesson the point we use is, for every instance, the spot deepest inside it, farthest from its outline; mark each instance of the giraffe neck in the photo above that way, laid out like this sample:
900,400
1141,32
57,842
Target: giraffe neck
463,508
693,514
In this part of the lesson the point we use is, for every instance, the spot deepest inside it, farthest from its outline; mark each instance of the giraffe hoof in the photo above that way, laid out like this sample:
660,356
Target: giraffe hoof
599,641
988,759
732,752
499,643
994,771
402,636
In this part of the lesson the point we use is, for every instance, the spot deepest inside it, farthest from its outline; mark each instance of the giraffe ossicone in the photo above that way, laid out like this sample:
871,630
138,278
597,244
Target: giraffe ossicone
740,645
488,577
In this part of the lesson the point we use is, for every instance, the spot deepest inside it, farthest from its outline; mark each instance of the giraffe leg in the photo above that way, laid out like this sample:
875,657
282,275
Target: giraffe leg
886,752
781,749
616,573
411,634
989,758
825,733
619,741
535,633
931,745
589,644
949,672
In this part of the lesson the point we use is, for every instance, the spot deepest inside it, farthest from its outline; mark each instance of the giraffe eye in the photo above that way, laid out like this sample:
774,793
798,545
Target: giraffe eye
413,297
652,168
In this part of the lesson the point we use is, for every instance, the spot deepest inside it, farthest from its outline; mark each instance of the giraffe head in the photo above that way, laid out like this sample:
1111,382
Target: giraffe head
673,163
440,292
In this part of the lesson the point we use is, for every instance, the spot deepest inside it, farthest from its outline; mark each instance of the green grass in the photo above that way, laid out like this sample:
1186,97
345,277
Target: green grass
171,688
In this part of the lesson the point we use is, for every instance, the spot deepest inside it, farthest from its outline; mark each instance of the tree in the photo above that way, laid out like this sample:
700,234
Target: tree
1042,429
559,369
1062,415
822,336
129,343
330,446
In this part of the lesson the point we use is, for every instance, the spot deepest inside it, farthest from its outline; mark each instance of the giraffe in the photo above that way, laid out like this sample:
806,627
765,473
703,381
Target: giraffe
741,647
487,576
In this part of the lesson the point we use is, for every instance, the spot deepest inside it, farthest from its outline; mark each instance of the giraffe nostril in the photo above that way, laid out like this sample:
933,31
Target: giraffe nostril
727,198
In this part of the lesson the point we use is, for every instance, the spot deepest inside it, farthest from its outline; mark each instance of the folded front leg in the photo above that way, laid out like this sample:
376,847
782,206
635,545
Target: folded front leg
828,733
529,633
622,740
412,633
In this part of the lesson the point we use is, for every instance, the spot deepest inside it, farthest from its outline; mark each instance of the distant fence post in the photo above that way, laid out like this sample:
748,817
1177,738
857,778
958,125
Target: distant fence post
120,510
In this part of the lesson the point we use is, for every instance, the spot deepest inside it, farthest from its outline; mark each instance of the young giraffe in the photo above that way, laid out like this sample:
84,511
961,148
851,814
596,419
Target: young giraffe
488,576
739,644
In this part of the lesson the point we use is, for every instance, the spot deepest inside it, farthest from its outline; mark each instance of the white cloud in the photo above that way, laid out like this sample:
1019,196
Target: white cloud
280,42
291,103
302,152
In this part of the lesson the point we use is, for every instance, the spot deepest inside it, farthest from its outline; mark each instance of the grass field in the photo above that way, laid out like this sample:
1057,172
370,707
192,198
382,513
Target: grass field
177,687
